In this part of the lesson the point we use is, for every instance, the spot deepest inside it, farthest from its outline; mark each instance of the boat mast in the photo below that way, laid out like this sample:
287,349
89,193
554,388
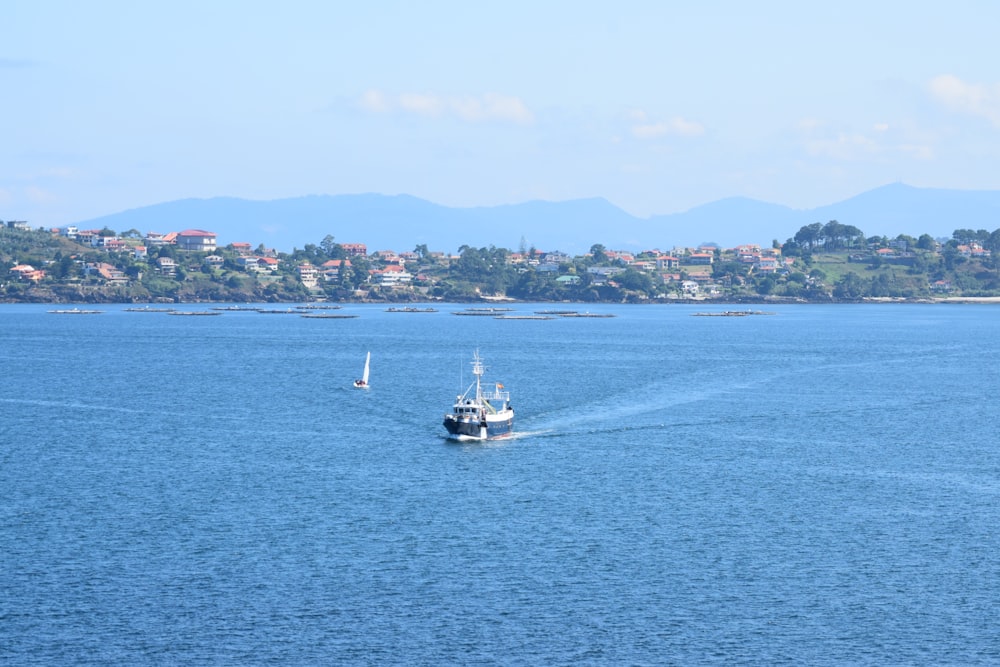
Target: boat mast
477,370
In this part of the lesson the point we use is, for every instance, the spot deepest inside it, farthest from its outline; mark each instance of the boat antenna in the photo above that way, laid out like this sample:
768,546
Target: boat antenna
477,369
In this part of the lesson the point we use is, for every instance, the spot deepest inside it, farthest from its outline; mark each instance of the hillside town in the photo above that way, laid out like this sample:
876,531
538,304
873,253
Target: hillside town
822,262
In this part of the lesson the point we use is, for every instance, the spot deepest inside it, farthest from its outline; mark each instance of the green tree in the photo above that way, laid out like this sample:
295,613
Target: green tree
636,281
791,248
328,244
833,235
65,268
964,236
881,286
766,284
920,264
850,286
950,256
486,267
852,236
809,235
536,286
599,253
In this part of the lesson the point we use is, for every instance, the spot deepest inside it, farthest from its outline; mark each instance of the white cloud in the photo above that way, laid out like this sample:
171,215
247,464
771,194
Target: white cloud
881,127
502,107
969,98
424,105
374,101
672,127
470,108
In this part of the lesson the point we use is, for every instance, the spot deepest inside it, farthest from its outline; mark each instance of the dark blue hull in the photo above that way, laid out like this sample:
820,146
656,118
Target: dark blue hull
472,428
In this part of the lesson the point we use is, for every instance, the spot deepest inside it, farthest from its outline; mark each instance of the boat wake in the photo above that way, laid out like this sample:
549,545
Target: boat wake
562,432
521,435
514,435
74,405
553,433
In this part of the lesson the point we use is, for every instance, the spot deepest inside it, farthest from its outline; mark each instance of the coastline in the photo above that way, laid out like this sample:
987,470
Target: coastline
968,299
952,300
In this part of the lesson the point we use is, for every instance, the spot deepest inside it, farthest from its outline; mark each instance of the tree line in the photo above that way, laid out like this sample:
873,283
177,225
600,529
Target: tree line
831,261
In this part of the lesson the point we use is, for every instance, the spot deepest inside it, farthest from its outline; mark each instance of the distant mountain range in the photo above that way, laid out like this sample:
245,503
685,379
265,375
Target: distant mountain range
401,222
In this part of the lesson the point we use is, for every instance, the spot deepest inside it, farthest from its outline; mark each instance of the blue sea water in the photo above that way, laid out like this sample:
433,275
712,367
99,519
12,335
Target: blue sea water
816,486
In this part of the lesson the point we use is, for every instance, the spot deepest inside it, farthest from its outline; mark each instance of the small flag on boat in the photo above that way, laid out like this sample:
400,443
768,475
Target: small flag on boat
499,386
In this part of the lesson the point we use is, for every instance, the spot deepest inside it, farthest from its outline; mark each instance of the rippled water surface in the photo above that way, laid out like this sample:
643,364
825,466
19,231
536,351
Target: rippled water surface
820,485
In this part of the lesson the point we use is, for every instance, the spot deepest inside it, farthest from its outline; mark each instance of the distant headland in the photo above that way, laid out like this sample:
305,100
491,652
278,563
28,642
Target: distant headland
821,262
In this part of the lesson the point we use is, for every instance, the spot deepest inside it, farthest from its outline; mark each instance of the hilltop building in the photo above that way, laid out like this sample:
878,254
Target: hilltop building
196,239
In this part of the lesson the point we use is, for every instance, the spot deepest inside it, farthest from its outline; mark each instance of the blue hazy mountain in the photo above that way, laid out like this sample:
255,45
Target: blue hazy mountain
401,222
901,209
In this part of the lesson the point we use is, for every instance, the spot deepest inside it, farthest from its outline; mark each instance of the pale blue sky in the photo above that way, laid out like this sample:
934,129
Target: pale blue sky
656,106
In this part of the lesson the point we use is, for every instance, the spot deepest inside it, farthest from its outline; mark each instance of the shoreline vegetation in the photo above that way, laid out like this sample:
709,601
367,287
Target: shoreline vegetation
822,263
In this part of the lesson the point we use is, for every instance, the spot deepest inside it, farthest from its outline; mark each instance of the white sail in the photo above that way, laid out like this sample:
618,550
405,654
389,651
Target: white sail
363,382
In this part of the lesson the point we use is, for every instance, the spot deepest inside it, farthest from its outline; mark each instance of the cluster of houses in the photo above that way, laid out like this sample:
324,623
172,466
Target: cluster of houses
697,263
26,273
192,239
392,271
262,261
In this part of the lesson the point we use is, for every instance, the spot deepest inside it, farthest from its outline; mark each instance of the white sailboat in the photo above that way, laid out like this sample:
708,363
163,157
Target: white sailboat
363,382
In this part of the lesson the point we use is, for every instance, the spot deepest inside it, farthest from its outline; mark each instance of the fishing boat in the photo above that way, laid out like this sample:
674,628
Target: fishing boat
480,414
363,382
